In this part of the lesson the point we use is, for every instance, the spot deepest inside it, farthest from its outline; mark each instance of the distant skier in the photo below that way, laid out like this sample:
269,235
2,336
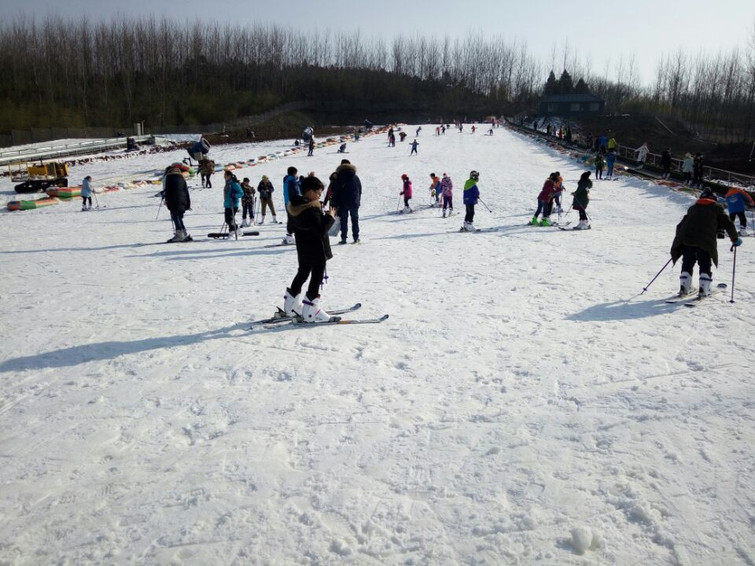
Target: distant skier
419,129
582,199
447,187
471,196
687,168
342,148
695,241
311,146
697,170
737,200
600,162
265,191
206,169
414,145
435,188
666,162
610,162
86,193
545,201
311,227
642,153
406,192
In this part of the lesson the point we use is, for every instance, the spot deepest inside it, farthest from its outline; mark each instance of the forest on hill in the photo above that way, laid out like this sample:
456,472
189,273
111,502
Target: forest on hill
66,73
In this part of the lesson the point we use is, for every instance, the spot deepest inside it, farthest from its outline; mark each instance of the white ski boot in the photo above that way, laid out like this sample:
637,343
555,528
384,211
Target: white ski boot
583,225
179,236
685,283
706,280
292,306
275,220
312,311
262,220
468,227
288,239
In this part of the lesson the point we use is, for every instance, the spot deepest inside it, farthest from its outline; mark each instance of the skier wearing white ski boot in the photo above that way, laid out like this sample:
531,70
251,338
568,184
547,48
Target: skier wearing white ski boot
582,199
471,196
310,225
447,188
695,242
177,201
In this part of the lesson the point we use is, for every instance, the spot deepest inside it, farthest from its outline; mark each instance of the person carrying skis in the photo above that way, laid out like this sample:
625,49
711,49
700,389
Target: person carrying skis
311,225
736,201
265,190
582,199
599,164
447,187
695,241
177,201
247,202
435,188
291,187
406,192
545,201
471,196
232,193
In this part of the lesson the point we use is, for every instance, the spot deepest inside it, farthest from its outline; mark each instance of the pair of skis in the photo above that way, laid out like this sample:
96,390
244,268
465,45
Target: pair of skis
280,318
693,298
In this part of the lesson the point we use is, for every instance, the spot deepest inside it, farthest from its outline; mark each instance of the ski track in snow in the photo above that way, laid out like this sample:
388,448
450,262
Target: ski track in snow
522,405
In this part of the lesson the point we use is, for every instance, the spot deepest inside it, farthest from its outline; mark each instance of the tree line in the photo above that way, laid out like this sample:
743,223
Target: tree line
77,73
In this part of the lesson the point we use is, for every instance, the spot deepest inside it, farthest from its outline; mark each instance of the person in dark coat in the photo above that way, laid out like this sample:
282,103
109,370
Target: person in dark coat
177,201
347,197
666,162
311,227
695,241
697,170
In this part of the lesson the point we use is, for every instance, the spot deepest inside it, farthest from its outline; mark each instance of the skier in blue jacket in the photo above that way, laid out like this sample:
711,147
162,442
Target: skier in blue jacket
291,188
232,193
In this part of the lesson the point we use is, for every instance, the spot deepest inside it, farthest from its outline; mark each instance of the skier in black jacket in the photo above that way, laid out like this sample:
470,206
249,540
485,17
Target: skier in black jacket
695,241
310,227
178,201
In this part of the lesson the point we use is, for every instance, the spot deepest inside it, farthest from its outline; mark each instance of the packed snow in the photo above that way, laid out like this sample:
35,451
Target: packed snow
523,404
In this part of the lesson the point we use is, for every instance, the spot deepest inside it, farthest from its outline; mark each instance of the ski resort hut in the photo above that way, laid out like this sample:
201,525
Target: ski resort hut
570,105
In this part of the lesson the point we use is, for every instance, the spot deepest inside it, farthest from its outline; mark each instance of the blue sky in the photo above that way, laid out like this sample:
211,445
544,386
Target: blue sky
599,33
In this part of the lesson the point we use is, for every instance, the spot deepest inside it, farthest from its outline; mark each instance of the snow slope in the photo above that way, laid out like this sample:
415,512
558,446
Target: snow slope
522,405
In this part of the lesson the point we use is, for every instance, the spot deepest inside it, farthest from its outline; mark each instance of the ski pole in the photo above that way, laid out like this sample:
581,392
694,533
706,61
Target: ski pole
656,276
158,208
96,200
398,205
485,205
733,273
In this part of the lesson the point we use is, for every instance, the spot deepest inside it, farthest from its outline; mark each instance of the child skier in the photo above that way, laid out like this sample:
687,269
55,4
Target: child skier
559,191
406,192
736,201
247,202
599,164
447,187
695,241
471,196
232,193
581,200
311,227
86,193
435,188
545,201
